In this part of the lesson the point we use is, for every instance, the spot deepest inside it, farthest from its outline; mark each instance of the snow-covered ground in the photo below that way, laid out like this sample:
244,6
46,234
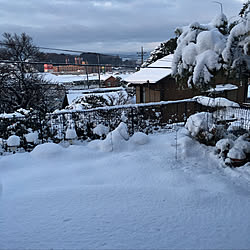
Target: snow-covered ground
136,197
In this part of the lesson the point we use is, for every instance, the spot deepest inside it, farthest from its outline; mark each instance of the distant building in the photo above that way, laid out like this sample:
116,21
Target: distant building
79,66
111,82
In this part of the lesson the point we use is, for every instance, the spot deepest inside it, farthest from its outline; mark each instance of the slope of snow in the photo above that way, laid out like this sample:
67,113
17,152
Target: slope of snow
136,197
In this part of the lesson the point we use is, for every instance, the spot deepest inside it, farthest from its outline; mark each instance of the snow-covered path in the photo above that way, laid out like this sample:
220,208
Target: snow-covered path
137,198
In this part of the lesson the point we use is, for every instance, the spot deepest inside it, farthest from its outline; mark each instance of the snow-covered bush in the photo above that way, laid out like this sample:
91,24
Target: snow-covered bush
95,100
101,130
32,137
198,52
13,141
114,141
202,126
238,42
199,123
139,138
223,146
234,153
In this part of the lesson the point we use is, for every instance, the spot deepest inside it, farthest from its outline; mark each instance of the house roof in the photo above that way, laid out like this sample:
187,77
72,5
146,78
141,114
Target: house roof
153,72
69,78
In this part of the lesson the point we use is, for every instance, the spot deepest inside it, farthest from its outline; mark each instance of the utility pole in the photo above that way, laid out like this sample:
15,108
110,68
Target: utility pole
141,54
99,72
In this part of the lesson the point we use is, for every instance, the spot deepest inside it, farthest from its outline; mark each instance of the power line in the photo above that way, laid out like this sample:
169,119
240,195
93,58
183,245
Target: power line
63,64
83,65
57,49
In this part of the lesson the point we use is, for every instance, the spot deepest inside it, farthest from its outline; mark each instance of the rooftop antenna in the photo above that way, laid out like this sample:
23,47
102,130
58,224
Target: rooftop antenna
221,6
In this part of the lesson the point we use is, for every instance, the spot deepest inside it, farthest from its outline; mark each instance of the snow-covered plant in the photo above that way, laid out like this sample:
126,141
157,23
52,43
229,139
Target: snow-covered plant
198,54
32,137
13,141
203,51
96,100
101,130
202,126
238,43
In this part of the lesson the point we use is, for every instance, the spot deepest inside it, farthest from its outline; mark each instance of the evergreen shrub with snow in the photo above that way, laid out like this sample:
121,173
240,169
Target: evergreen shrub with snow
203,50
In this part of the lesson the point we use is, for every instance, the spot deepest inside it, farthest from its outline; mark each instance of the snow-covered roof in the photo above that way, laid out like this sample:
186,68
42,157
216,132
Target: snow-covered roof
153,72
61,79
69,78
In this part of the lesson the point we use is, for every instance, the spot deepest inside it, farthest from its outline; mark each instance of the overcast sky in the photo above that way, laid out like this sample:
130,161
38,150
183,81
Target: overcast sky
108,26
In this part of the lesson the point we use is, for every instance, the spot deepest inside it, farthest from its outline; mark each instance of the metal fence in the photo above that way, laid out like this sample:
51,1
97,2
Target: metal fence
146,118
237,118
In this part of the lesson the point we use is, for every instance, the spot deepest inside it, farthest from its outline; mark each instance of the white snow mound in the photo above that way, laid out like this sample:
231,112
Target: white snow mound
13,141
101,130
114,141
224,144
32,137
46,150
235,153
139,138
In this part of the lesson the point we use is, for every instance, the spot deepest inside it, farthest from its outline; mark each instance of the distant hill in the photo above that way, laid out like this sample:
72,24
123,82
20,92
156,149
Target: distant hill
91,58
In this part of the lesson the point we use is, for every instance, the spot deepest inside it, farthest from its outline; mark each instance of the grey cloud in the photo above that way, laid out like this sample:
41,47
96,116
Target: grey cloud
105,24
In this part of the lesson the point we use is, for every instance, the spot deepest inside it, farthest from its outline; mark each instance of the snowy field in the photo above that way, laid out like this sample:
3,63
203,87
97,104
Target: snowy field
136,197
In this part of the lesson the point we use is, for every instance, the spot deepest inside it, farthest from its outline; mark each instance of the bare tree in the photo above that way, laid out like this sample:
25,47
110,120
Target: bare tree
20,85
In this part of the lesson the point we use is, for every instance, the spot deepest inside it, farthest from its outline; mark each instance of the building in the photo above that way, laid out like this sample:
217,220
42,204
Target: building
110,81
155,83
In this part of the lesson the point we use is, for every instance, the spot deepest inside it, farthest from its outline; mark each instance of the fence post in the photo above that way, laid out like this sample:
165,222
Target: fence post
185,107
132,118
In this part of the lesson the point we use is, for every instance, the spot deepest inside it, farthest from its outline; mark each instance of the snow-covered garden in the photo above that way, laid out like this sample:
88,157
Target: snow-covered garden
159,191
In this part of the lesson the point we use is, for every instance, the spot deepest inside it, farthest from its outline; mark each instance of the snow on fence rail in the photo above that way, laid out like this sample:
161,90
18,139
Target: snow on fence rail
139,117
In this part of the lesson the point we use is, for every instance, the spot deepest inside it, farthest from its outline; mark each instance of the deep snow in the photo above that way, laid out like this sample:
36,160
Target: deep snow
138,197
